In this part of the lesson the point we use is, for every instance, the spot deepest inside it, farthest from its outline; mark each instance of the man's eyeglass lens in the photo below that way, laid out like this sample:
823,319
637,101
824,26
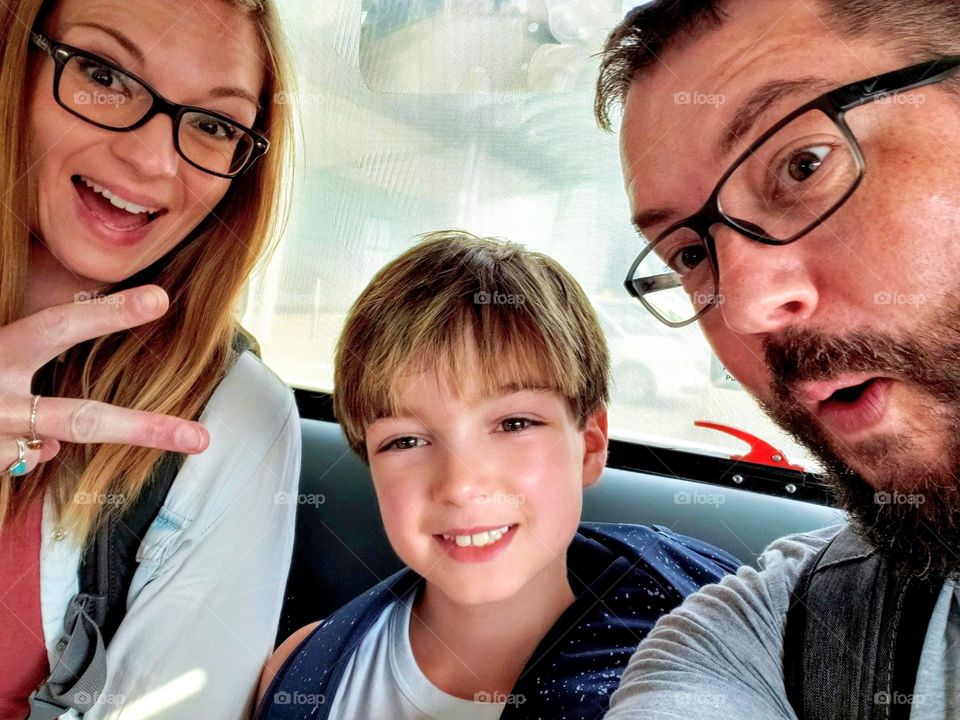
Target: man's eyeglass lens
104,95
783,189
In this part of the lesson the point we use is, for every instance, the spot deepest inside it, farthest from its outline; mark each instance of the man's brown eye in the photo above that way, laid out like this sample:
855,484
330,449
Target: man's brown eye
514,424
804,165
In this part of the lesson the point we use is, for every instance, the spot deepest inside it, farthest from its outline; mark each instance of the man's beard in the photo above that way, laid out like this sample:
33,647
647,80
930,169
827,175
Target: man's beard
911,512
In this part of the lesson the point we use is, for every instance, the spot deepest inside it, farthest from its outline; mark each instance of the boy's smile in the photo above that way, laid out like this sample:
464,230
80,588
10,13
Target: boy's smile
476,544
468,480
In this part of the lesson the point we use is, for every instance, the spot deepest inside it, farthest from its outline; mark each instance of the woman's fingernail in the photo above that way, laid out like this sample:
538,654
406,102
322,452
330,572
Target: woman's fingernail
148,301
190,438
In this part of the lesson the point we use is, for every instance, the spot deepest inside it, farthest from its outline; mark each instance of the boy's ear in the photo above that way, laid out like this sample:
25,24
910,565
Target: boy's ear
594,446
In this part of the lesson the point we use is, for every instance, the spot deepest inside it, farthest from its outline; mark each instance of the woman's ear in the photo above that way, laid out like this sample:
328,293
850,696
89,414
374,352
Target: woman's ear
594,446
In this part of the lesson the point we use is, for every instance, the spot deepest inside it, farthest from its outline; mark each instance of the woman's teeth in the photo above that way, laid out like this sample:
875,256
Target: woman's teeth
118,201
480,539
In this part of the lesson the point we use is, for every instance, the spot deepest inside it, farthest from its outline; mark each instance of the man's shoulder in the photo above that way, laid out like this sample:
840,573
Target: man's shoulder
764,591
786,557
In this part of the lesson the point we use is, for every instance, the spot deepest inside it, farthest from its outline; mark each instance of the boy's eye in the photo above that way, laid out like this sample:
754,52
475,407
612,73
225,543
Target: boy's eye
516,424
402,443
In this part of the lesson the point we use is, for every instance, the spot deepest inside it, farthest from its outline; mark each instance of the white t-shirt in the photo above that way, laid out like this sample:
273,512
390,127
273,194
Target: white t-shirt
383,680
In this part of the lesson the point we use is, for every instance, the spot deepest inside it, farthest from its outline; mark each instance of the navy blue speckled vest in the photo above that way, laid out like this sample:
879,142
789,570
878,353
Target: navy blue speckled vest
624,577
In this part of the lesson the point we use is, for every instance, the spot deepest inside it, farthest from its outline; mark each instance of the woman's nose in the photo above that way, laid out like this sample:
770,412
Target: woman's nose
149,149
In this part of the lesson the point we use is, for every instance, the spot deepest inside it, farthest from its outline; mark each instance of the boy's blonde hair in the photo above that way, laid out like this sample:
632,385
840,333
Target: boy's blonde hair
531,323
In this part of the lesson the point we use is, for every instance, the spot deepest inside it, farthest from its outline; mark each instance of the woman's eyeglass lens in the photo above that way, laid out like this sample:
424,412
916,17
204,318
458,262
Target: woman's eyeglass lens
102,94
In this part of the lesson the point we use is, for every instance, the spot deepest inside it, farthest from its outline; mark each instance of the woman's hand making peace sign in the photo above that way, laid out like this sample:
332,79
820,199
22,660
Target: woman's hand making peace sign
29,343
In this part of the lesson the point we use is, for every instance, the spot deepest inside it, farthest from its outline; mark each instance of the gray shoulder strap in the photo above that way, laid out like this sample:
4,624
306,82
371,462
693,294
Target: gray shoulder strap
82,649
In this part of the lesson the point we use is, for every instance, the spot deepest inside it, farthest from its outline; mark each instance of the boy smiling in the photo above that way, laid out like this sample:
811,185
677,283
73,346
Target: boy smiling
472,376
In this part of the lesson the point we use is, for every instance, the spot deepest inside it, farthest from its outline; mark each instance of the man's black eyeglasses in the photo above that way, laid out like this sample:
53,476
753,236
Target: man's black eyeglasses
788,182
106,95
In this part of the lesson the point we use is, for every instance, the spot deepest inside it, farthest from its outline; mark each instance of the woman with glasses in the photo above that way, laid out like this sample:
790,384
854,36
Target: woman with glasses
142,164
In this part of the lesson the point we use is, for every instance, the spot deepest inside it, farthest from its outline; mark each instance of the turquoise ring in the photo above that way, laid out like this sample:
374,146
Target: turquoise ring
19,466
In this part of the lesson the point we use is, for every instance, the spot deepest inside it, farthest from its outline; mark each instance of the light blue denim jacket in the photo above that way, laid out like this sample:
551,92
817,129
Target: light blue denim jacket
203,606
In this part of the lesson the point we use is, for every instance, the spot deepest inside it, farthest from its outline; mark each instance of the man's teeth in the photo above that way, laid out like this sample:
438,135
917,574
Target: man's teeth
118,201
480,539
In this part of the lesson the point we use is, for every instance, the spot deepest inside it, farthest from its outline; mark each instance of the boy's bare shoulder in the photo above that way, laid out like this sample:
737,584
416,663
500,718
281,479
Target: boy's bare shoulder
279,657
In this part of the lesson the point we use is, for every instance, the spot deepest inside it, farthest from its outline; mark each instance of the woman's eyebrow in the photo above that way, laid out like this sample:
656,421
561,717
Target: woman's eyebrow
129,45
227,92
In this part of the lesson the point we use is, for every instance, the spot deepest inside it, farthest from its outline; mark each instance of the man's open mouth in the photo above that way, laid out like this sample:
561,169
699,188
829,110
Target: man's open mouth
851,393
848,405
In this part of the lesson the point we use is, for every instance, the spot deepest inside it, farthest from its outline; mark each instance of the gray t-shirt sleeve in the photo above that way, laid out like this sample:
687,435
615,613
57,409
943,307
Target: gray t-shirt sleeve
719,655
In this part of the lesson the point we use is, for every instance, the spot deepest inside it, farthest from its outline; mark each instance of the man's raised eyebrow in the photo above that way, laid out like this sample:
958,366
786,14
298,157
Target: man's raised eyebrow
759,101
129,45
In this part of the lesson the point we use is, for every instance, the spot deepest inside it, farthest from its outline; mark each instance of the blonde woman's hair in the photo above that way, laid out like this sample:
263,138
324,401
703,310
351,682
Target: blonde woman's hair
174,364
530,321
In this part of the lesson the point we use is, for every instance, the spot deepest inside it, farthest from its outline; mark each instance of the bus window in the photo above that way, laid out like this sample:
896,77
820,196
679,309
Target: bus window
475,114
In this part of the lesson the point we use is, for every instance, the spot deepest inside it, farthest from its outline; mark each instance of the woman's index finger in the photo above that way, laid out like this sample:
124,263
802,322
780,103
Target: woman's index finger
35,340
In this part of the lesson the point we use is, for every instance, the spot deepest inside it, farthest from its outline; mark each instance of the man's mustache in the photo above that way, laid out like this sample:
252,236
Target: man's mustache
798,355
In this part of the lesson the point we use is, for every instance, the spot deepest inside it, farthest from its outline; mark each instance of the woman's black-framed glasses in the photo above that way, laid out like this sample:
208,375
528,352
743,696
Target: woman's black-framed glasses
110,97
788,182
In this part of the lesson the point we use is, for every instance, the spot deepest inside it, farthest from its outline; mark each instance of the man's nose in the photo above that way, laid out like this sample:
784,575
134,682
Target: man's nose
763,288
149,149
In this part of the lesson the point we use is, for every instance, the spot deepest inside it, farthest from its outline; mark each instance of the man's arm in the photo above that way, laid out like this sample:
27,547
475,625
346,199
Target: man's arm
720,653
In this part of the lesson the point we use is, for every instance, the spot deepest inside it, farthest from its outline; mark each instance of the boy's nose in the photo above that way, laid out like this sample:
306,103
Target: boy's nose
462,480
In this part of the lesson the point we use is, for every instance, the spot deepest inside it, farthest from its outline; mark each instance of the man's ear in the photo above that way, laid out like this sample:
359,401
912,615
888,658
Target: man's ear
594,446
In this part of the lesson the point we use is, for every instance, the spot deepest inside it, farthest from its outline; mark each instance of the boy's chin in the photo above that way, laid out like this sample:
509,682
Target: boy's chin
484,590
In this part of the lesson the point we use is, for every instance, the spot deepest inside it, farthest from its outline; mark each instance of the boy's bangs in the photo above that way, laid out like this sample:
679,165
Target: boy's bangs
484,349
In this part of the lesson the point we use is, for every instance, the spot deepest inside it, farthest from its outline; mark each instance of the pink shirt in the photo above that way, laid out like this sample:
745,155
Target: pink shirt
23,655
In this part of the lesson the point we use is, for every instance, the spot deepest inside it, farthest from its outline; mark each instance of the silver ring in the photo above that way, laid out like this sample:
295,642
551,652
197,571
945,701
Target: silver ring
34,443
19,466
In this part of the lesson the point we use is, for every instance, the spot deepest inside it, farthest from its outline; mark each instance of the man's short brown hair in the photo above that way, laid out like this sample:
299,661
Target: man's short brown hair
917,29
530,322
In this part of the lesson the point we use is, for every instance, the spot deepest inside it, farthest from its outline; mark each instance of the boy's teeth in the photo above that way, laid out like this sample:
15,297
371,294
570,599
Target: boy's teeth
479,539
117,201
